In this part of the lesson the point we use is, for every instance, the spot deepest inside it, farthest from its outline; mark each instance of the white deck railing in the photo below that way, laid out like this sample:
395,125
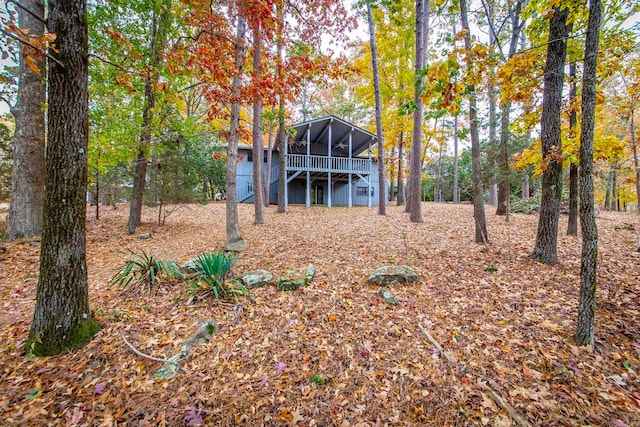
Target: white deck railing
302,162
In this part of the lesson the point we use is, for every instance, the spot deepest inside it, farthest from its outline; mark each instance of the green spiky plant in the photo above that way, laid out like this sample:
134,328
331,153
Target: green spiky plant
211,270
142,271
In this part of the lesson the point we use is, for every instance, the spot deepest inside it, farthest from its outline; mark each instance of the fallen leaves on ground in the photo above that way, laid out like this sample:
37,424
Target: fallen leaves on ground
508,321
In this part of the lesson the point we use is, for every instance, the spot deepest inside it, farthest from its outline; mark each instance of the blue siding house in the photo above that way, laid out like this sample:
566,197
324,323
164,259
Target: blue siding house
327,162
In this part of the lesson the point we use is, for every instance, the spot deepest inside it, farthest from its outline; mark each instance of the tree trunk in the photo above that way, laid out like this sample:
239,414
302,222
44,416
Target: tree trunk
504,189
400,200
634,147
97,192
258,143
27,188
572,224
392,175
156,47
614,187
545,250
281,135
585,334
481,235
415,172
525,186
62,319
376,90
233,223
456,185
267,183
437,194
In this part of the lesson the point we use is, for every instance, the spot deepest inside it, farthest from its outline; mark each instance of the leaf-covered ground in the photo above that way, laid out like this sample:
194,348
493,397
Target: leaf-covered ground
507,320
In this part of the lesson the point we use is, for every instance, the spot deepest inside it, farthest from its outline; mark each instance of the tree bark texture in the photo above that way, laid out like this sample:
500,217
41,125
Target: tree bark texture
481,235
585,334
232,222
572,224
27,187
258,142
545,250
415,172
376,90
62,319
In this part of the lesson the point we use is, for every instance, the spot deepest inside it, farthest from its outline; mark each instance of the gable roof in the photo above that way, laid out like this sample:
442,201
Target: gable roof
340,130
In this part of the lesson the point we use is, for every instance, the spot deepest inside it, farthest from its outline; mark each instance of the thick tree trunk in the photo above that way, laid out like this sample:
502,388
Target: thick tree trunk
233,223
401,199
376,90
258,143
572,224
545,250
481,235
585,334
62,319
27,188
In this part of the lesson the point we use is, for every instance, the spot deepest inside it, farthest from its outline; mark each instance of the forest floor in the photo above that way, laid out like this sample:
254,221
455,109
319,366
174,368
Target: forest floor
507,320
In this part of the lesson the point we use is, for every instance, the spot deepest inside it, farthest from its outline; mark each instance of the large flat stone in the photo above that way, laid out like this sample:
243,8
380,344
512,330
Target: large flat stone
392,275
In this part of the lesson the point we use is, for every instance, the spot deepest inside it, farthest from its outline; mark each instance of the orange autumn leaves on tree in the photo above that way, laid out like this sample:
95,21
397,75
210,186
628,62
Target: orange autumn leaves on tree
298,27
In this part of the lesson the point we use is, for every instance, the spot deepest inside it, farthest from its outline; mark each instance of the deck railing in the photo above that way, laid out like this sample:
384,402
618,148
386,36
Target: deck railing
301,162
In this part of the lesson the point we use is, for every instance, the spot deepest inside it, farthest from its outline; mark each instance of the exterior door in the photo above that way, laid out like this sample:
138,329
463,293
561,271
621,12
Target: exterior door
317,195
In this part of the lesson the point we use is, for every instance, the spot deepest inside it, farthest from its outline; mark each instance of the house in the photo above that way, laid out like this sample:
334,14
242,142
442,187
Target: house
328,162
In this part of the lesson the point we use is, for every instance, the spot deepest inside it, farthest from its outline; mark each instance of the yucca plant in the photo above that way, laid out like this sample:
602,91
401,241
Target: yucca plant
141,272
211,270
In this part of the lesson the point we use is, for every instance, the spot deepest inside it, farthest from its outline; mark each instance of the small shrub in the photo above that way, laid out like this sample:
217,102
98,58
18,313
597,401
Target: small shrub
211,270
141,272
529,206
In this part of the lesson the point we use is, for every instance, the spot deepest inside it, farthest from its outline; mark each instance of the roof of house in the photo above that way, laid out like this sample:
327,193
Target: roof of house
340,130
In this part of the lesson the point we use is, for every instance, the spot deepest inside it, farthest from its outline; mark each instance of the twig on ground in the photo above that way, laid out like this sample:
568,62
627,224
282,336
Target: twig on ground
450,357
139,353
513,413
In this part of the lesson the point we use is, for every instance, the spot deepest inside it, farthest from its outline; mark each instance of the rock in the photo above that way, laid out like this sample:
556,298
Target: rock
255,279
189,266
144,236
388,296
237,246
296,278
391,275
